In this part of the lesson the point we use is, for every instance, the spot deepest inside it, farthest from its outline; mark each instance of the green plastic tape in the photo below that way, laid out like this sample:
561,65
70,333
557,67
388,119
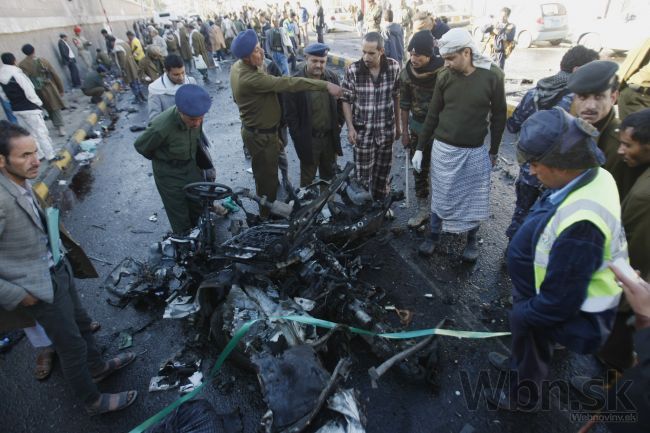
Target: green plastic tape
307,321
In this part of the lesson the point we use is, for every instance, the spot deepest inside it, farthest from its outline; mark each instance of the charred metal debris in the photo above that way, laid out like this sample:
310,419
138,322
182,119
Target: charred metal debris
235,268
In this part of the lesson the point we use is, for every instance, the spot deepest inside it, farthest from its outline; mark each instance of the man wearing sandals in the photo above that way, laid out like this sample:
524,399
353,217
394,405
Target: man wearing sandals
36,277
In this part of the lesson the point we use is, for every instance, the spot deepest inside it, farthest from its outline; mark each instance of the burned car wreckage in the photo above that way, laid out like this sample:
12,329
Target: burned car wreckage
234,269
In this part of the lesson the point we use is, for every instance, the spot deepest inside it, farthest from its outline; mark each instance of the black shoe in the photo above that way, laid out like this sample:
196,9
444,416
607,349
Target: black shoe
429,245
499,361
589,387
470,253
501,399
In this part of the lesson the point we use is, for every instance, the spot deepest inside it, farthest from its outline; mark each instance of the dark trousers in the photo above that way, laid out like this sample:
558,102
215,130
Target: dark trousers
421,178
532,351
618,351
68,325
74,73
183,213
527,195
319,32
265,150
499,58
323,160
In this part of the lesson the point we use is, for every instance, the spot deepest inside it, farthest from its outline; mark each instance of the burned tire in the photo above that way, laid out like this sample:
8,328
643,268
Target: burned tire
237,357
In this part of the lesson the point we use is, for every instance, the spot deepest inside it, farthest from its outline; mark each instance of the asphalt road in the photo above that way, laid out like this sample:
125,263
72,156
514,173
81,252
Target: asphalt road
107,209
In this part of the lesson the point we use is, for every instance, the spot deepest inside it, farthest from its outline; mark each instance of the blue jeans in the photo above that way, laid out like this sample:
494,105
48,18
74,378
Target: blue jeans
280,59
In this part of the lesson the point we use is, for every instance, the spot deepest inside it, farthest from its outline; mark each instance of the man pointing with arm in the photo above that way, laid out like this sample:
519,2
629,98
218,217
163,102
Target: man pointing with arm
255,93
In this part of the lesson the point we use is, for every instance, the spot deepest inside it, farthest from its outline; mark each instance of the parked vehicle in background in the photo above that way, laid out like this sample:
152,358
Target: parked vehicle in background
536,21
338,19
449,13
162,18
619,32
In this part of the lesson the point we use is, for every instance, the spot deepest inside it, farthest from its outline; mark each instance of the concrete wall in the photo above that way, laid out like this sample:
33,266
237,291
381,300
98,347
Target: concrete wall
39,23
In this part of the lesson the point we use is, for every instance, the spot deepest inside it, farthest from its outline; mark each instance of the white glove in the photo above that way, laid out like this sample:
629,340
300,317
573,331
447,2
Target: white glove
417,160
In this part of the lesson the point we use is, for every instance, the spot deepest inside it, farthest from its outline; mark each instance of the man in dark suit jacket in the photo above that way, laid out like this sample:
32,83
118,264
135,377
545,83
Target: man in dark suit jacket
39,262
69,59
315,120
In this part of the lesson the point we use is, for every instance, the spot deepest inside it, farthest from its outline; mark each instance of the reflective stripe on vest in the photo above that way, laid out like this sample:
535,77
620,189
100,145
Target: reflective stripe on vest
580,205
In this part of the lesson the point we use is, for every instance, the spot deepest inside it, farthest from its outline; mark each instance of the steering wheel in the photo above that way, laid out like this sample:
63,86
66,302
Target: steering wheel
204,191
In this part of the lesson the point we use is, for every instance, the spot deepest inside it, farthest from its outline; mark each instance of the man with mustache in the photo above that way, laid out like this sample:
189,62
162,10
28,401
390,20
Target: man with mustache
468,102
315,119
595,85
371,110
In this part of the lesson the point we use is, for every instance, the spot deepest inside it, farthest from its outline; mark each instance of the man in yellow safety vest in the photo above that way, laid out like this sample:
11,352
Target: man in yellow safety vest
563,291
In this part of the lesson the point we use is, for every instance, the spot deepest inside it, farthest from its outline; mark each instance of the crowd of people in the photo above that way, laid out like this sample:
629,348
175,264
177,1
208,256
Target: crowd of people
582,195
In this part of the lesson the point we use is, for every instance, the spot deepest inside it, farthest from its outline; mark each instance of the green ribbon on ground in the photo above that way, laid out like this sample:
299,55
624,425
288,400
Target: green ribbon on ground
307,321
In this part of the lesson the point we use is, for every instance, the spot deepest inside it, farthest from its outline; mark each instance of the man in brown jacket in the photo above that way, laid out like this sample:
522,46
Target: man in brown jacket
47,83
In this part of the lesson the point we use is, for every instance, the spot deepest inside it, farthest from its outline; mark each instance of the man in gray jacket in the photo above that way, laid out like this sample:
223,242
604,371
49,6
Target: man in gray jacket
39,261
163,90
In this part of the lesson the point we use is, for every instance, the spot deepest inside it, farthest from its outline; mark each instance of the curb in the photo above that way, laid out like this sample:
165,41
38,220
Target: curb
44,182
344,62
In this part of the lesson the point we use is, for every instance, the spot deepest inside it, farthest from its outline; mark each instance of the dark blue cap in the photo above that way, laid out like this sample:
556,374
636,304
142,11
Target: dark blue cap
317,49
192,100
557,139
244,44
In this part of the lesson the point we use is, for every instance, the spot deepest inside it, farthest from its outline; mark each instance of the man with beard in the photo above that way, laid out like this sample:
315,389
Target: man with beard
371,109
315,119
417,80
39,263
468,98
163,90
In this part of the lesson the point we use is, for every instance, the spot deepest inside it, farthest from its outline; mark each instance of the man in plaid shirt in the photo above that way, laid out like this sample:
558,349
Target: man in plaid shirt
370,107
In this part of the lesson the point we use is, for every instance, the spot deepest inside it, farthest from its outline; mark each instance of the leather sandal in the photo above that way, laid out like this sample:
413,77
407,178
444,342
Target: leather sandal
112,402
112,365
44,363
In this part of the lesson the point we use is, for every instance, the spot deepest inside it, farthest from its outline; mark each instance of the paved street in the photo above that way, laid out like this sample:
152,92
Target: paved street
107,209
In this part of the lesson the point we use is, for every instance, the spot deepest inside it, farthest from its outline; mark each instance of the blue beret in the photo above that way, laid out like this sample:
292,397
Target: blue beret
317,49
192,100
557,139
593,77
244,44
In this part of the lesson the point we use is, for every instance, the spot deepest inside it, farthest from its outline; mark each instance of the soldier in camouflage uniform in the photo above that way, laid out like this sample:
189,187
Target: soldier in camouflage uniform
417,80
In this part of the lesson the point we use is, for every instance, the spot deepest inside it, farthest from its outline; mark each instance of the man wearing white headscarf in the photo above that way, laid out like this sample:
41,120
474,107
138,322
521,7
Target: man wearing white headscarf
468,97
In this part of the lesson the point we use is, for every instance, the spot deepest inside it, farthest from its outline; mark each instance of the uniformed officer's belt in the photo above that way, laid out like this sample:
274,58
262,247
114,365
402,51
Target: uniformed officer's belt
320,134
639,89
176,162
261,130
